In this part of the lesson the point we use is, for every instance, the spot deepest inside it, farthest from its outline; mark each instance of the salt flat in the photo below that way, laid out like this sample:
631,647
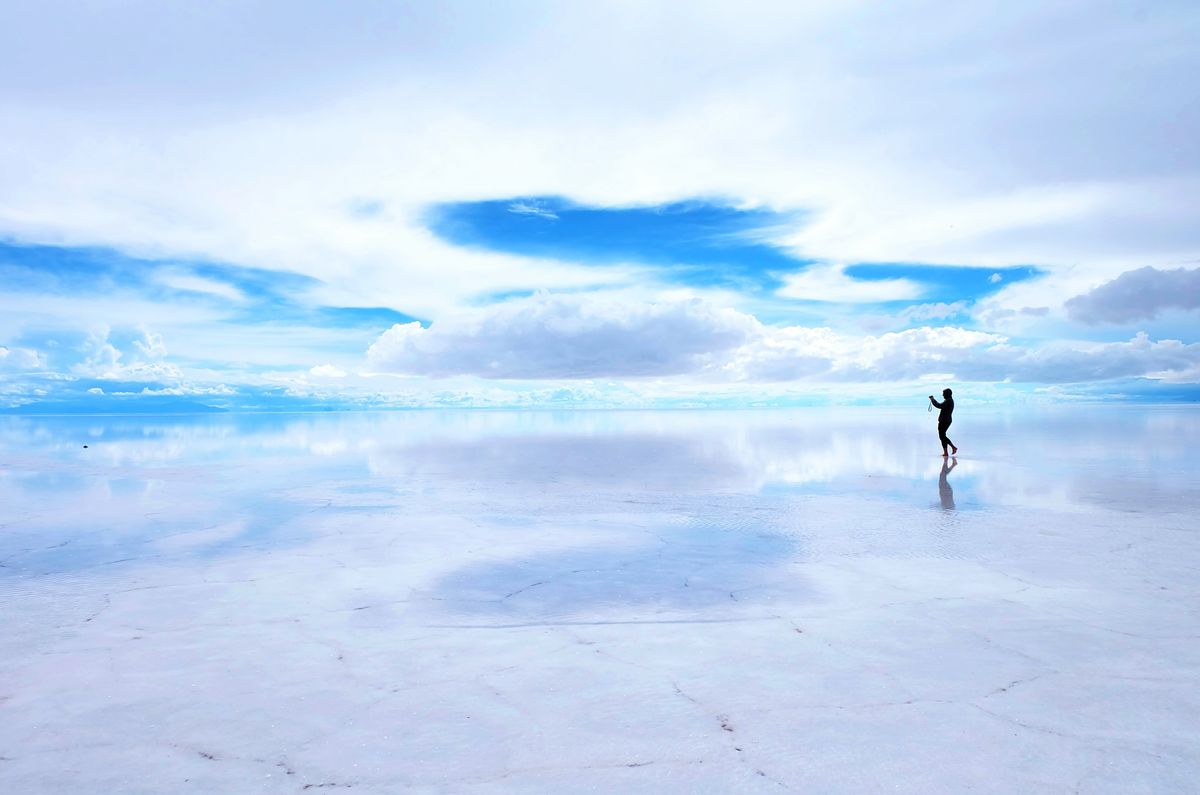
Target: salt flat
601,602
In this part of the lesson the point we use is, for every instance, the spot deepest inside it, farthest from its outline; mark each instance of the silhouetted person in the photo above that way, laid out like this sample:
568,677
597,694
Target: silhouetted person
944,489
944,419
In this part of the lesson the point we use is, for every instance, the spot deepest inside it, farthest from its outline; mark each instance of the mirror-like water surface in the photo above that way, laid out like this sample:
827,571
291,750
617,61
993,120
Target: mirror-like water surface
612,601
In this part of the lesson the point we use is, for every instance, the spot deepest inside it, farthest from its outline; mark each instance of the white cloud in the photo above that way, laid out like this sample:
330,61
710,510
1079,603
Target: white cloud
580,337
1054,136
961,355
937,311
532,208
1063,362
151,345
822,354
20,359
102,359
830,283
198,284
1140,294
20,311
190,389
919,314
957,143
146,371
983,225
565,337
327,371
101,355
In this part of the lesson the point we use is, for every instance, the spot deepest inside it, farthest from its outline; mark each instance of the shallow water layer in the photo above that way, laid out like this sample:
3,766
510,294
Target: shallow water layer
601,601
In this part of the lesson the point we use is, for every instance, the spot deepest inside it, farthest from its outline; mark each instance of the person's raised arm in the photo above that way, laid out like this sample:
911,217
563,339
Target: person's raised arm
934,402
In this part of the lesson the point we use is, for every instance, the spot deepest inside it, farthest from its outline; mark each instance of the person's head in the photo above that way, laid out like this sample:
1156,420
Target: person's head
946,392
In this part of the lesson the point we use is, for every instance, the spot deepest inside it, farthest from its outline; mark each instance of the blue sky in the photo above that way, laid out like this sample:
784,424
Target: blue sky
444,204
699,243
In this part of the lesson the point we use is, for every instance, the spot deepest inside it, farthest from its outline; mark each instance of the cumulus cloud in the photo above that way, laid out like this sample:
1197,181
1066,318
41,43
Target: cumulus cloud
951,145
796,352
566,337
20,359
1138,295
151,345
957,354
101,355
580,337
1062,362
145,362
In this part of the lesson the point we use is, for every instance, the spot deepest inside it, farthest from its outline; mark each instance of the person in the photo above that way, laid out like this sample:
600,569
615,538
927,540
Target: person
944,420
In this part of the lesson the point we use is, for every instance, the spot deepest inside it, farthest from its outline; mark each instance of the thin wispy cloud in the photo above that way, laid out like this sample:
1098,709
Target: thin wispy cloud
532,208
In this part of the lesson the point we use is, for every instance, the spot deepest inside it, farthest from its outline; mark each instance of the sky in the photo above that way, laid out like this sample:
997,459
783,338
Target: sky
295,205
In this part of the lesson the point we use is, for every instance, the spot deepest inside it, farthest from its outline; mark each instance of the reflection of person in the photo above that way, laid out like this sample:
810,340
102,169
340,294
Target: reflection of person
944,420
944,489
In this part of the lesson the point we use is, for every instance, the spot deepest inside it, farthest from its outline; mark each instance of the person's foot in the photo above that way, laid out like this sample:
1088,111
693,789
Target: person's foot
954,449
945,454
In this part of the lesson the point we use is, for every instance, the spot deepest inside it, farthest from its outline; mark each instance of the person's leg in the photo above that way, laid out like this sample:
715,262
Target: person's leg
946,439
942,438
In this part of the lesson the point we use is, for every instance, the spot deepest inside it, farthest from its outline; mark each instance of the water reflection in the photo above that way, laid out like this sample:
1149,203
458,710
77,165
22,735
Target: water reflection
945,491
491,580
221,483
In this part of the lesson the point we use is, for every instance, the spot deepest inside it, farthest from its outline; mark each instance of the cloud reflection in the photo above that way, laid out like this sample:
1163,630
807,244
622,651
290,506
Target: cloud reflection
235,482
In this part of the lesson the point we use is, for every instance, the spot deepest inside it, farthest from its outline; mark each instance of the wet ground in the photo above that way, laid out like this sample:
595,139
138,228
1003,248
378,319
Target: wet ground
601,601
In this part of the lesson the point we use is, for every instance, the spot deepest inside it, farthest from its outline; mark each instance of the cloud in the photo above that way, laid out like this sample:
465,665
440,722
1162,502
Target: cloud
151,345
20,359
916,314
327,371
937,311
955,145
830,283
1170,360
957,354
1140,294
565,337
101,355
794,352
189,389
581,337
189,282
532,208
958,144
102,359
